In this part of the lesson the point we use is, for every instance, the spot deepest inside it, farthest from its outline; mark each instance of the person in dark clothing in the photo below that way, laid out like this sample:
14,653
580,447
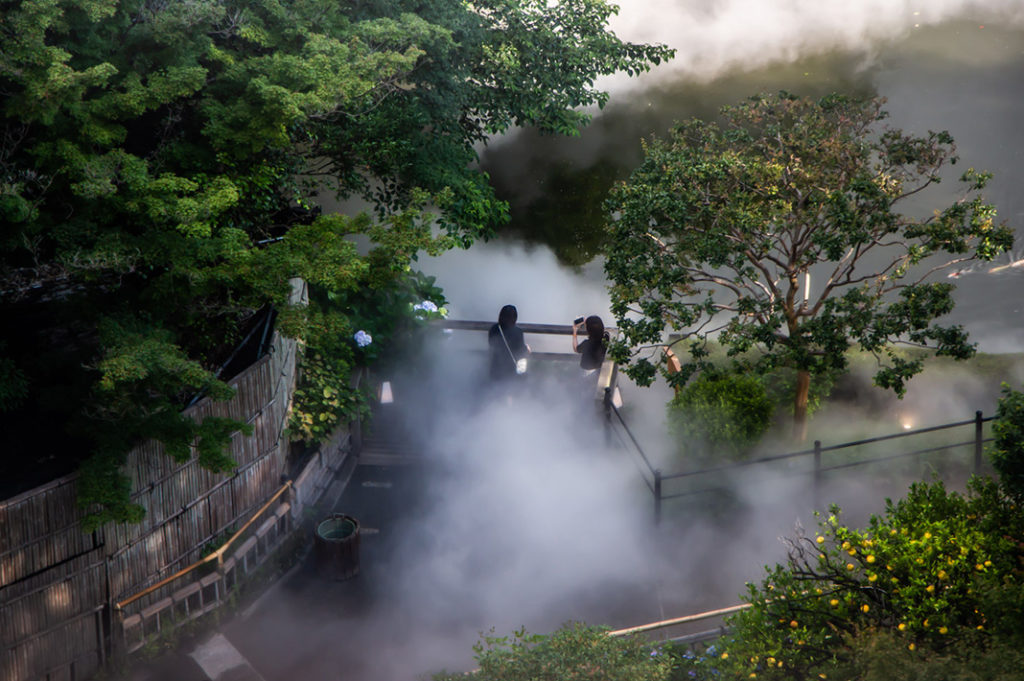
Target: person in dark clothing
506,343
593,349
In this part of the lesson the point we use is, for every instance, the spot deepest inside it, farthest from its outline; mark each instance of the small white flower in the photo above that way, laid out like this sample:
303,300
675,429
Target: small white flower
362,338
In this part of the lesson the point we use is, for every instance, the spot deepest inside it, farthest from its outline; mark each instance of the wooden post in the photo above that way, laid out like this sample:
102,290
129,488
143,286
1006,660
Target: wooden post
978,448
118,643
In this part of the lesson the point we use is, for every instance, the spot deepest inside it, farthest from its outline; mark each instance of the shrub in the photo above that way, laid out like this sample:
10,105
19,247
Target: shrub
939,573
1007,453
726,413
575,652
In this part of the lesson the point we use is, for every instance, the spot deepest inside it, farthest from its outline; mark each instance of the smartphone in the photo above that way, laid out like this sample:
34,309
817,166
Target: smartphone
578,320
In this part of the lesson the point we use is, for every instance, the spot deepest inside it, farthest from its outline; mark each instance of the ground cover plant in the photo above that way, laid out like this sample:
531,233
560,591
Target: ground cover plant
575,652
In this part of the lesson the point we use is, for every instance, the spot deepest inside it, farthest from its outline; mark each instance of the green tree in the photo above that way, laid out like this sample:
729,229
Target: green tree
719,230
160,161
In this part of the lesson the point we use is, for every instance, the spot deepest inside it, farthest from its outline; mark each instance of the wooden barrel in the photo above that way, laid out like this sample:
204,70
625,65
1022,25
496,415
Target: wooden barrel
336,547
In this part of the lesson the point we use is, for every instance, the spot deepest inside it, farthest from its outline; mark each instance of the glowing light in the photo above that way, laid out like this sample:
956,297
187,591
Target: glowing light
386,397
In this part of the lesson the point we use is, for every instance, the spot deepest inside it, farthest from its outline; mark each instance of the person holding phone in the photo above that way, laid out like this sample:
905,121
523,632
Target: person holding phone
592,350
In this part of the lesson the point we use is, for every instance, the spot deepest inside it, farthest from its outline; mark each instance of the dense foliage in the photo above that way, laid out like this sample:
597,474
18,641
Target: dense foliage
778,230
575,652
1008,450
938,573
160,166
724,414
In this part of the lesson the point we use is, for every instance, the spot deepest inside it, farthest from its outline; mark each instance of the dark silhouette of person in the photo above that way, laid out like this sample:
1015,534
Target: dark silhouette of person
506,344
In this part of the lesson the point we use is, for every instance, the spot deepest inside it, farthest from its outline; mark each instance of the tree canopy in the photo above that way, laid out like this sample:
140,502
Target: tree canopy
160,164
778,232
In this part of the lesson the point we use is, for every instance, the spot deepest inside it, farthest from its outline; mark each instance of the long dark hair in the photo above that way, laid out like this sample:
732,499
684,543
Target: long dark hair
595,329
508,316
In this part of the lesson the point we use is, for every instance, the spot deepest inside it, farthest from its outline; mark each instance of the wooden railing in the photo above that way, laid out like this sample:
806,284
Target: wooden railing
203,590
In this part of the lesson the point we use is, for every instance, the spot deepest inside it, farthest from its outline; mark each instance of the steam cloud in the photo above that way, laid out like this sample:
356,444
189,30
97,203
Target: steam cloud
713,38
527,518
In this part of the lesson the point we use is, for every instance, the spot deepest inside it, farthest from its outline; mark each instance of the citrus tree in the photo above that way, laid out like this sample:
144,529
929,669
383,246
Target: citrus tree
778,232
937,573
931,588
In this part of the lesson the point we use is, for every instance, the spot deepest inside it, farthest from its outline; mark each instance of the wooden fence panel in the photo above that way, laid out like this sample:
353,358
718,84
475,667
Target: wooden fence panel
54,577
41,530
74,641
63,598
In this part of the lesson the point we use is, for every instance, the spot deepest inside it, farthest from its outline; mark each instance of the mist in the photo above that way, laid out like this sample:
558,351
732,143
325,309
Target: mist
524,516
713,39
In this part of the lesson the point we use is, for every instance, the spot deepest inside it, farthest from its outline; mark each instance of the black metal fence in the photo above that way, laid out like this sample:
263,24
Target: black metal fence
807,462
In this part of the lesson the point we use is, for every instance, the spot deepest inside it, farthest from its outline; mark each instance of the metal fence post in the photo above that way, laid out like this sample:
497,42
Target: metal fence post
608,415
657,497
817,475
978,448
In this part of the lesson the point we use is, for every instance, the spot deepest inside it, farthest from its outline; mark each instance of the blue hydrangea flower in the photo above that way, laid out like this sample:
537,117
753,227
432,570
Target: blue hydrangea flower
362,338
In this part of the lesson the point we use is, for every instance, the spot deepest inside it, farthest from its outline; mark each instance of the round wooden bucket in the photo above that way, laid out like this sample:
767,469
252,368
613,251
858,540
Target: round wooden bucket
336,547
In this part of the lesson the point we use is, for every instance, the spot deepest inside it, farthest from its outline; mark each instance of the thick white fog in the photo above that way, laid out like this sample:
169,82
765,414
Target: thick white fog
525,517
714,38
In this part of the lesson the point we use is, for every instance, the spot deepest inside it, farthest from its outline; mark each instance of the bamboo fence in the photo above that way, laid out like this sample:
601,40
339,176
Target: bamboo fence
69,599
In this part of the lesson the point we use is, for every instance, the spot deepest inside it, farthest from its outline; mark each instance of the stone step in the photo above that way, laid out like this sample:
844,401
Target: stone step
221,661
388,458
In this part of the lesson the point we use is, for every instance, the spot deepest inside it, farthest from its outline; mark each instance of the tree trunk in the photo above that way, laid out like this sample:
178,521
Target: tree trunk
803,386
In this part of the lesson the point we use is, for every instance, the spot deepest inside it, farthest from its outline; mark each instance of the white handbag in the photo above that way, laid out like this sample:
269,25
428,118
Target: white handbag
521,362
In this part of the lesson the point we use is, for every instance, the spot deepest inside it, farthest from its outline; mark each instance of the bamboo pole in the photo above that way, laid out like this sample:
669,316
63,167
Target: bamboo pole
679,620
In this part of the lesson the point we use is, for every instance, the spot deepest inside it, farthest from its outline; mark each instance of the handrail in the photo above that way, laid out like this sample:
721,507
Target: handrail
659,478
908,433
891,457
216,555
527,327
832,448
633,439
